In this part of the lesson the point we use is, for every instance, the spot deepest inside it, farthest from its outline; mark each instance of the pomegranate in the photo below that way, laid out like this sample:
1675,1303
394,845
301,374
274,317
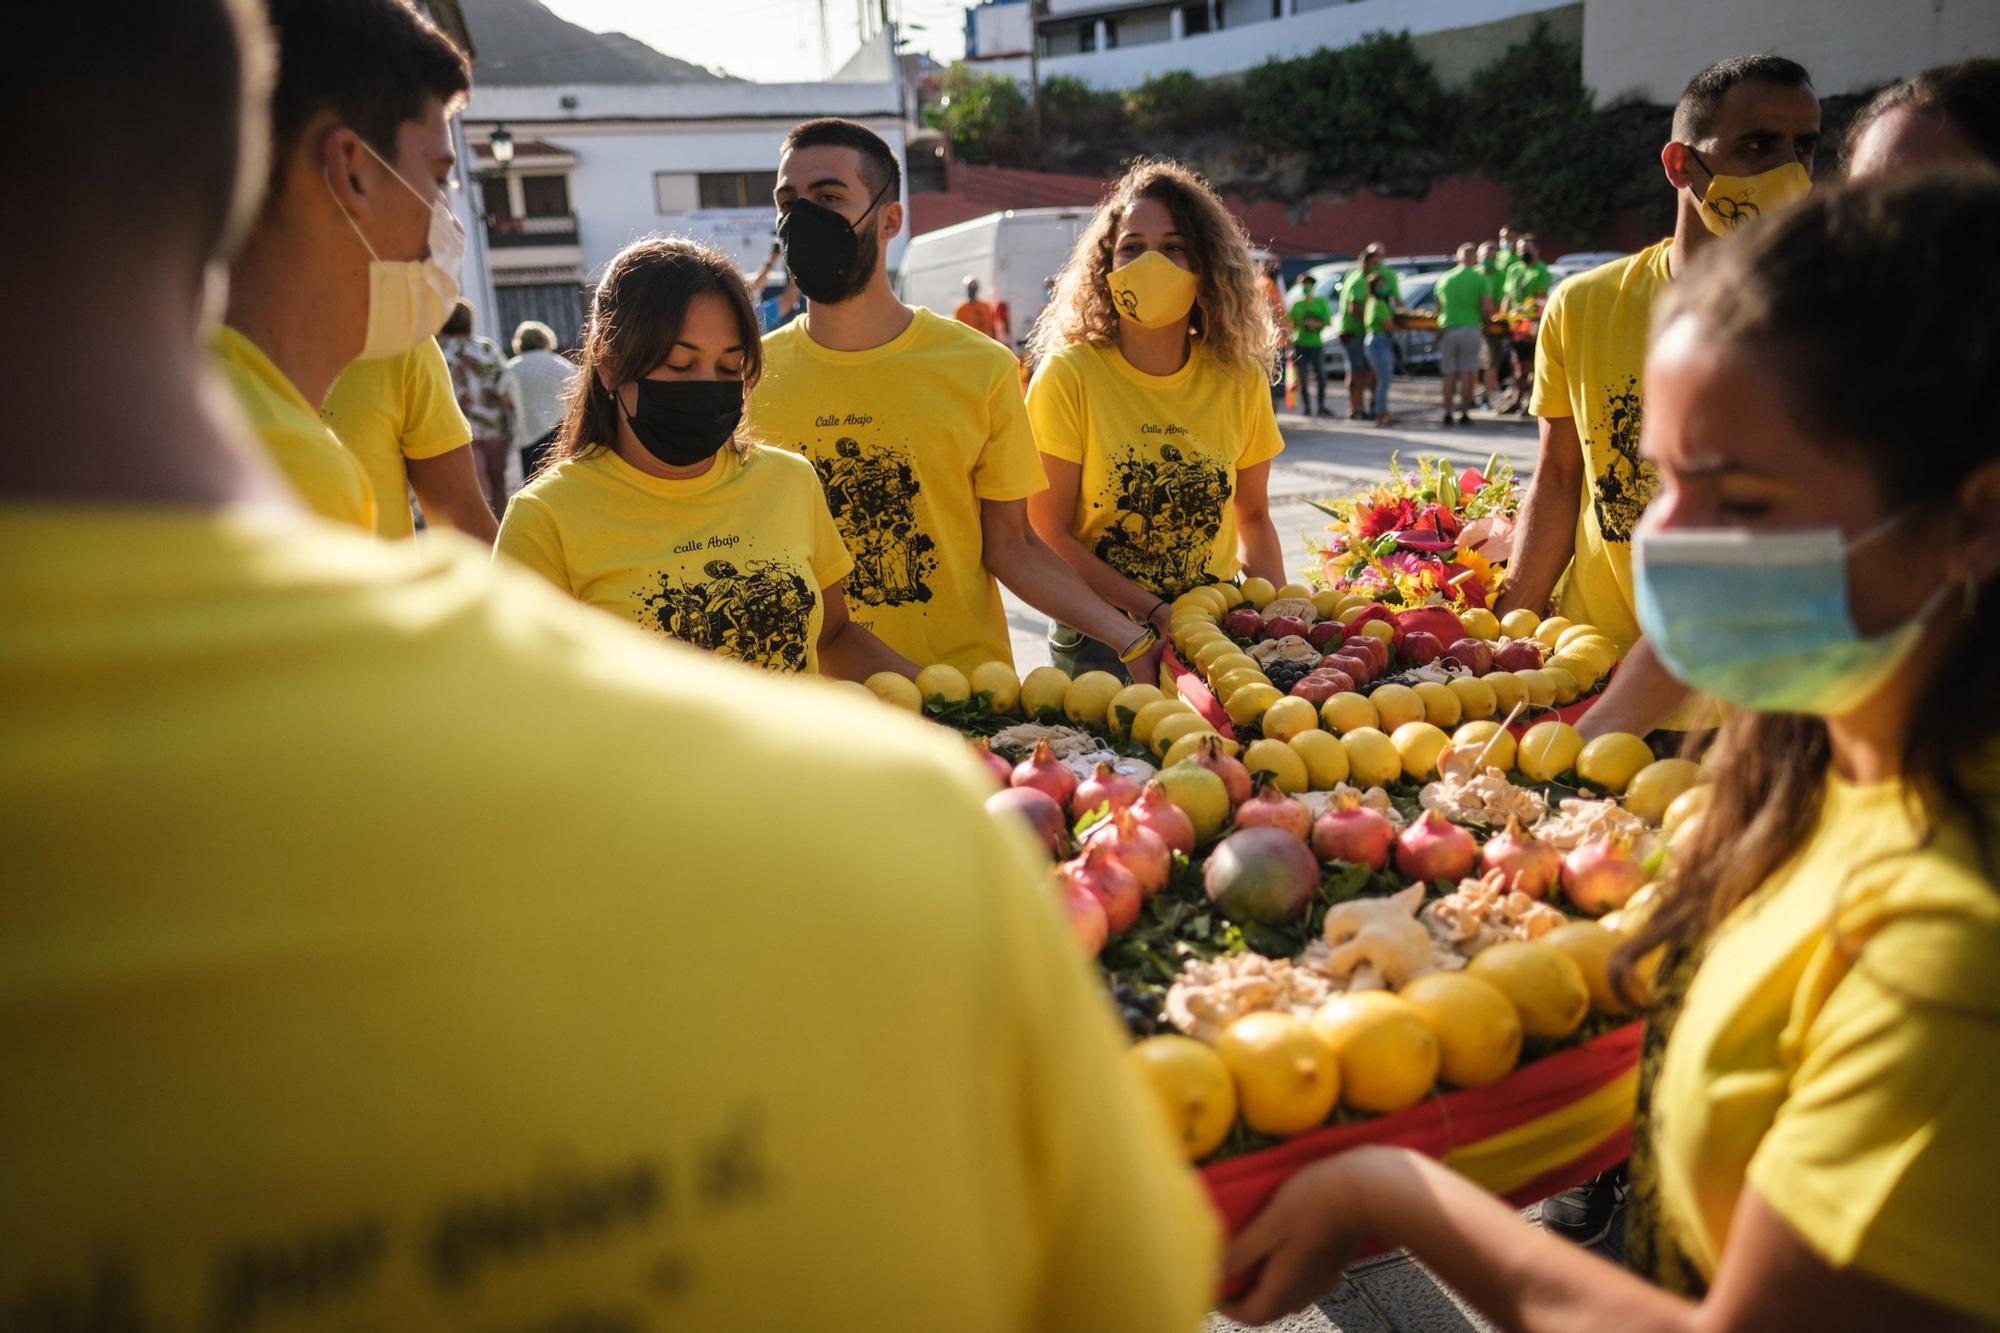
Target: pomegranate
1270,808
1601,875
1235,777
1155,810
1518,655
1144,853
996,764
1086,915
1109,882
1350,831
1105,786
1325,635
1474,655
1434,848
1044,816
1263,875
1244,622
1043,772
1421,648
1529,864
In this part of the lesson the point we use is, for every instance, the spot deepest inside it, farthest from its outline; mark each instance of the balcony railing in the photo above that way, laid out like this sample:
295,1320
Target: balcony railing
511,233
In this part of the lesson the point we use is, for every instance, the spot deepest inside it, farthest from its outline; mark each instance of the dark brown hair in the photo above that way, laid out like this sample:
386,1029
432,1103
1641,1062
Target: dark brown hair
1694,114
1786,293
636,315
1967,94
880,171
374,63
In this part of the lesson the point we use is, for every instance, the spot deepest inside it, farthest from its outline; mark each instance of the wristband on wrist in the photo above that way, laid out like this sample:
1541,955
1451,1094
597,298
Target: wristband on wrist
1140,646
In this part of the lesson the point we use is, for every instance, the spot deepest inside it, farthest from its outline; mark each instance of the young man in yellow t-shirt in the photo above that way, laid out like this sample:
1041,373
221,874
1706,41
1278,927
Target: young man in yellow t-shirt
355,254
916,424
277,1055
398,415
1745,126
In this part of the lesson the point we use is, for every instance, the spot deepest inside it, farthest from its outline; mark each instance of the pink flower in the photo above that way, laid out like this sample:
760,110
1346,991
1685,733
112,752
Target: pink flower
1470,481
1491,536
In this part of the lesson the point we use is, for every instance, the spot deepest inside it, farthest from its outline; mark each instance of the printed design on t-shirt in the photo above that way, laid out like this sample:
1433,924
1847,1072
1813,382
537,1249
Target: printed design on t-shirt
1627,484
1169,509
873,495
760,614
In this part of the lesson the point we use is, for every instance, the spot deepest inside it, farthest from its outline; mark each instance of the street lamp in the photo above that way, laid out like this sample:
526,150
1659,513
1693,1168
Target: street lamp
502,144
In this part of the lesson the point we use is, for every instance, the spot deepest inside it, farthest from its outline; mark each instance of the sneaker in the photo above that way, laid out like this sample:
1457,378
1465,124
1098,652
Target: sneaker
1584,1214
1465,418
1448,419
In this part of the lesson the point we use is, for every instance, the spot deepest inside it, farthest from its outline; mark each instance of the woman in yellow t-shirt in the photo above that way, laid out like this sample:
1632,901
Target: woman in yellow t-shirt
1816,1144
1151,404
658,504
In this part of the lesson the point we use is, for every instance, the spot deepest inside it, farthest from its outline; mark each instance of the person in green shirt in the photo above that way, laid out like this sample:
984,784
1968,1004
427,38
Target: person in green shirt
1496,357
1505,256
1381,300
1310,315
1523,294
1353,338
1464,301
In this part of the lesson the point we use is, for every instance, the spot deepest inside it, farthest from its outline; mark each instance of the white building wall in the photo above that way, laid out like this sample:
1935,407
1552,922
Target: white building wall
1648,49
1000,30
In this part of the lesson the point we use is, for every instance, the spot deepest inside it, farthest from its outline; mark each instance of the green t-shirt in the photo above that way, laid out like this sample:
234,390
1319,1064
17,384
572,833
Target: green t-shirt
1303,309
1504,260
1459,293
1357,307
1525,281
1383,299
1496,279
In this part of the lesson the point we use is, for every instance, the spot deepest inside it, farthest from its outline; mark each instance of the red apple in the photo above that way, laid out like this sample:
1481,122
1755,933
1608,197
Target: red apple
1244,622
1474,655
1316,690
1421,648
1518,655
1282,626
1325,635
1342,683
1375,649
1356,668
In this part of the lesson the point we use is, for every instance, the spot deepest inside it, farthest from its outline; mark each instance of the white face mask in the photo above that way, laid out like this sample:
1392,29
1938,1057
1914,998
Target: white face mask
409,299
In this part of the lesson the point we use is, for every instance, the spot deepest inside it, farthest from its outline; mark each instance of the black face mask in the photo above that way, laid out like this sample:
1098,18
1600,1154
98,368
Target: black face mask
823,255
683,422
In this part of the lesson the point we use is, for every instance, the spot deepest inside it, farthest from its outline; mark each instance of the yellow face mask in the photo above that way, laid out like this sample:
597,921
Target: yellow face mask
1153,291
1730,202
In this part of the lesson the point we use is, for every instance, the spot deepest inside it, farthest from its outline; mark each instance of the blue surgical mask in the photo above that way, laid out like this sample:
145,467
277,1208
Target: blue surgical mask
1760,619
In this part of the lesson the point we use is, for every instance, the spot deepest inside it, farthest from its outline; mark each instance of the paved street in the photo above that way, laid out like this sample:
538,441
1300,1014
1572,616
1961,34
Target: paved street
1325,457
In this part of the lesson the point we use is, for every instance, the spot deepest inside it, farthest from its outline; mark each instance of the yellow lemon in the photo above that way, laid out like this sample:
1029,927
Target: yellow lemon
1566,686
1042,691
1214,651
1548,749
1599,652
1153,714
1281,761
1192,1086
1237,661
997,679
1225,685
1545,985
1350,611
1288,717
1476,698
1186,746
1213,597
1170,729
894,688
1481,624
1550,630
1612,760
1590,946
1418,745
1260,592
1188,642
1579,669
1200,794
1387,1053
1477,1030
1125,705
1089,697
1441,705
1232,596
1508,691
1347,710
1657,785
1571,633
1325,758
1248,704
1519,624
1397,704
1683,810
1294,590
1326,603
1379,629
1287,1079
1372,758
945,682
1539,684
1491,737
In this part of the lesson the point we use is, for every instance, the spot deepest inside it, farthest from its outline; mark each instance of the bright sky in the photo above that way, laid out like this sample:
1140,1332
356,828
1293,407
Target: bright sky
770,41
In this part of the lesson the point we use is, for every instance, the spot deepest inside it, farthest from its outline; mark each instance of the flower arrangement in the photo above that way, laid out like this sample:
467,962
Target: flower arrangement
1423,537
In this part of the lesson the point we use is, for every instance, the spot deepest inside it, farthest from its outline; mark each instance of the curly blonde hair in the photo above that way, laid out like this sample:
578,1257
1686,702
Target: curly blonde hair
1231,313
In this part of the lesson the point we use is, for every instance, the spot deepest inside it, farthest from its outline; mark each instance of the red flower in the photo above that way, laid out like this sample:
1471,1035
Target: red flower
1470,481
1374,520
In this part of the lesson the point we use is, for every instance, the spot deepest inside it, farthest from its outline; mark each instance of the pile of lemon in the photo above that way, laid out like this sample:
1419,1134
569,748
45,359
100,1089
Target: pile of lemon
1379,1051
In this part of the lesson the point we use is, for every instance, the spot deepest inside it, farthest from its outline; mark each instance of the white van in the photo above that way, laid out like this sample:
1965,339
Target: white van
1011,254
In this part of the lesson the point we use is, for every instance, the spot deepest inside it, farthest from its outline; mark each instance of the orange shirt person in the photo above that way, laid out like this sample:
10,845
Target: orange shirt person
981,315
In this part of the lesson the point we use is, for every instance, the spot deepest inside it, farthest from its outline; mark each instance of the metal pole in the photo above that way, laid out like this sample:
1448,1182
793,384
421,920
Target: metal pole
1035,8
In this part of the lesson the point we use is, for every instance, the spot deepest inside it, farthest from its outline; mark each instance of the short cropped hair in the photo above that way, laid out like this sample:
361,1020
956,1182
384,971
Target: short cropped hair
373,63
1694,114
531,335
880,170
1966,93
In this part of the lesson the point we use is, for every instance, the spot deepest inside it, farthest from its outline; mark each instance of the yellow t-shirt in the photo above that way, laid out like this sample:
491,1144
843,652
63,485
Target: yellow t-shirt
908,438
328,1002
1839,1051
1589,365
327,476
392,408
732,561
1159,454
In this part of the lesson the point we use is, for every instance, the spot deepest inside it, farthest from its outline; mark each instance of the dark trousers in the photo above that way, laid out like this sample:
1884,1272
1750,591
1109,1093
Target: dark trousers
1311,361
533,454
